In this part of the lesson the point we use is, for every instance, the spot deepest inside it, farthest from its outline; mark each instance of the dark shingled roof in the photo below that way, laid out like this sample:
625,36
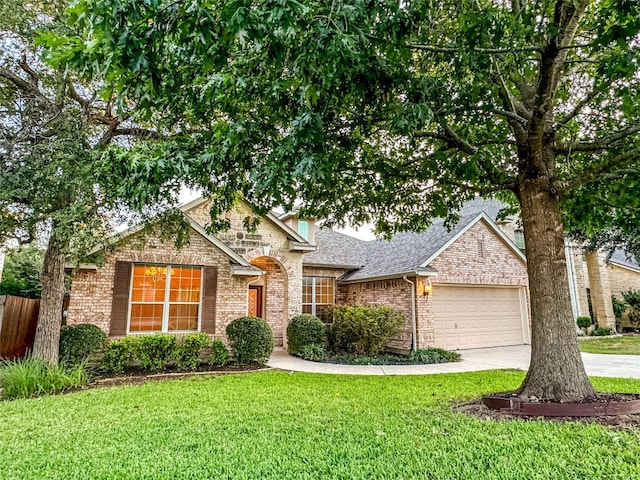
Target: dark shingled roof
405,252
625,259
336,249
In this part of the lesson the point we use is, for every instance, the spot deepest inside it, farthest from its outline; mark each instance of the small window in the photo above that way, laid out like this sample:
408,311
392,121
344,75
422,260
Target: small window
165,298
518,238
303,229
317,294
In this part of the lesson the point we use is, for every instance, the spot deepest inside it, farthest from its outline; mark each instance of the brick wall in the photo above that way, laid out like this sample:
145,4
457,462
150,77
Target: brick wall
622,279
92,291
267,241
394,293
275,301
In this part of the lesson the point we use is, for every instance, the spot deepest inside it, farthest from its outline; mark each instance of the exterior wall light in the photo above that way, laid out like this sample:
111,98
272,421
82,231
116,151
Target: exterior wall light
426,289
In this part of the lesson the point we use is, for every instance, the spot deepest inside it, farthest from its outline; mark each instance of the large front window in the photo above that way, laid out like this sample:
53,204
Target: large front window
317,294
165,298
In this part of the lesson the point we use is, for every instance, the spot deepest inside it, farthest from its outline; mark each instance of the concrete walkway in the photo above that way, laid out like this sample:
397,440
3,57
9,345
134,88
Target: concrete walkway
626,366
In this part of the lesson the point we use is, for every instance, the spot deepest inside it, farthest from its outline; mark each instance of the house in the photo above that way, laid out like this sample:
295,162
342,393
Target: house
593,276
462,288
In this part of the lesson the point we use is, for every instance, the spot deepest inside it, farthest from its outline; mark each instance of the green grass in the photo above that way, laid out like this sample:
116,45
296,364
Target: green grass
278,425
628,345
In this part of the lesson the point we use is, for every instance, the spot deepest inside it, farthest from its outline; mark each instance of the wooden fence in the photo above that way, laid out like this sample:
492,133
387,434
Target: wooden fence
18,319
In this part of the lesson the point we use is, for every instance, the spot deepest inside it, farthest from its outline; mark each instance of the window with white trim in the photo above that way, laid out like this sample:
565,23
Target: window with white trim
518,238
165,298
317,294
303,229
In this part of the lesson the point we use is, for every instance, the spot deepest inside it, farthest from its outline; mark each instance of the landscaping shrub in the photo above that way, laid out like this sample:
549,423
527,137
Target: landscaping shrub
312,352
584,322
189,350
119,354
156,351
602,332
433,355
219,353
362,330
304,329
250,339
31,377
79,342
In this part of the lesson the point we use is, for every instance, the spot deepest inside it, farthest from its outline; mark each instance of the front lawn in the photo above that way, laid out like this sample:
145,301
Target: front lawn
627,345
280,425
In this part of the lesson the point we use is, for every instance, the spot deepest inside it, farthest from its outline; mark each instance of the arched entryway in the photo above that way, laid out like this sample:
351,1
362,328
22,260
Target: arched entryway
268,296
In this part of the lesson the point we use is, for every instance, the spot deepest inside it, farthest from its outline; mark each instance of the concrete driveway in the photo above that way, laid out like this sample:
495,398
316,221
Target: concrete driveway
627,366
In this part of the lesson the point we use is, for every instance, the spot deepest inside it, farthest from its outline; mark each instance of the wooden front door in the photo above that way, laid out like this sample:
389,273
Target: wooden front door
255,301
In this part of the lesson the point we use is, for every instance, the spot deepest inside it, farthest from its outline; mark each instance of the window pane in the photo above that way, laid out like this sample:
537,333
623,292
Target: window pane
183,317
303,229
324,290
149,283
307,290
185,284
146,318
306,309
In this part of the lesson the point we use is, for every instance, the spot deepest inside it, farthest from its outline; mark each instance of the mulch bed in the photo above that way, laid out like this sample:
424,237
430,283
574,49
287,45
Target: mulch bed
138,377
627,423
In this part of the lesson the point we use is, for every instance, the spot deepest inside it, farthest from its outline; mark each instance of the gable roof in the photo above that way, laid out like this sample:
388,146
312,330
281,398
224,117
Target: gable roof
624,259
272,217
412,253
243,266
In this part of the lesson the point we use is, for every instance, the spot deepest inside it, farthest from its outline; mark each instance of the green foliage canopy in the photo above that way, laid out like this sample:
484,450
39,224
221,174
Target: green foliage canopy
389,111
21,273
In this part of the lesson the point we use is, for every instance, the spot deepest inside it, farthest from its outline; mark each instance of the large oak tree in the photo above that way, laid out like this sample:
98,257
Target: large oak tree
54,134
396,112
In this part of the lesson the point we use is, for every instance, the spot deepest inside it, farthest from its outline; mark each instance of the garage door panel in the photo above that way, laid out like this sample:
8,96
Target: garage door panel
475,317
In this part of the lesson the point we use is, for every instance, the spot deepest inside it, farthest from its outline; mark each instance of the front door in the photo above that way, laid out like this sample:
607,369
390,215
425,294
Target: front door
255,301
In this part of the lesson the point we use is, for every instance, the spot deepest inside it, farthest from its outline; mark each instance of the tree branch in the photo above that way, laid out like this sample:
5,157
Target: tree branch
439,49
596,174
597,145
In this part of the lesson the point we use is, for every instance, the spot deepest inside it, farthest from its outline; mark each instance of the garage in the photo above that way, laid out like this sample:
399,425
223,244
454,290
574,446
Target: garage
478,316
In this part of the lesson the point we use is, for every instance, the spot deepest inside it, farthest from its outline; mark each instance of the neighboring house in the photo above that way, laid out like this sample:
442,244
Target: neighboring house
462,288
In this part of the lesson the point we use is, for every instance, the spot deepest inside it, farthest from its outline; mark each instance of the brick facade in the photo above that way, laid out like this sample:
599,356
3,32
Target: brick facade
92,290
267,248
460,263
622,279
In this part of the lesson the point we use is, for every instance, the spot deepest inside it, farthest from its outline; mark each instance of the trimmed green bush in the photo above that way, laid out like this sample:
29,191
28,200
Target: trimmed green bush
30,377
601,332
304,329
189,350
250,339
156,351
362,330
433,355
584,322
119,354
312,352
219,353
80,342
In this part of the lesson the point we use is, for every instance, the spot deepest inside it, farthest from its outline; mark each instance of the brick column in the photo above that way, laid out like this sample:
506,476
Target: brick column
600,289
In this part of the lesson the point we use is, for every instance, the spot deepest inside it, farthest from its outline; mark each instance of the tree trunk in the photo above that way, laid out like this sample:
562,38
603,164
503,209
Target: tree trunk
46,344
556,371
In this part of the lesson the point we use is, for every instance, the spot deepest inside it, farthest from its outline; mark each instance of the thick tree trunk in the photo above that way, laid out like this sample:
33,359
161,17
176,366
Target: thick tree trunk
47,338
556,371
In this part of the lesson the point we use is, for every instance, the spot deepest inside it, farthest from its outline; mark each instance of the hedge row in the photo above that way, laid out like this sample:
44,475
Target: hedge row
250,339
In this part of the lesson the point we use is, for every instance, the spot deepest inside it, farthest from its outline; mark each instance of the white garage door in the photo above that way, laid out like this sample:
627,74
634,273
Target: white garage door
477,317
